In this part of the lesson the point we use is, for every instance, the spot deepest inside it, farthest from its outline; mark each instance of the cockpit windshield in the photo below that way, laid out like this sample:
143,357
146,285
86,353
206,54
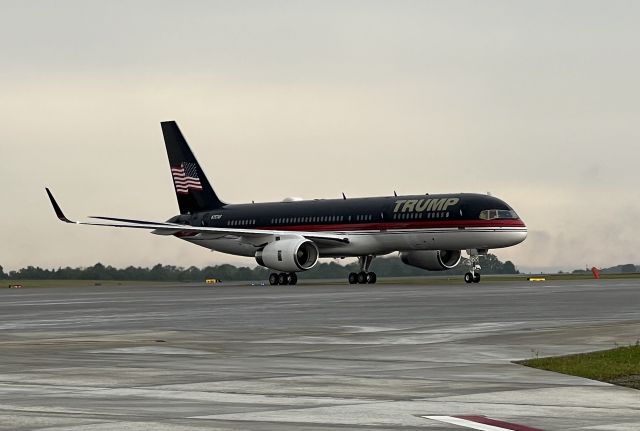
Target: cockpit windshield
498,214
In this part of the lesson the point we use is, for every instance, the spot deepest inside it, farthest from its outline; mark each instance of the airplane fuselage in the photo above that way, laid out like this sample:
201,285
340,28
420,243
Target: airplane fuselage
378,225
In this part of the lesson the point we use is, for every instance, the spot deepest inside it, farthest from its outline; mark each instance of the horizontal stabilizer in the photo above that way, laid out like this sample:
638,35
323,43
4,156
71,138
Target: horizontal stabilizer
127,220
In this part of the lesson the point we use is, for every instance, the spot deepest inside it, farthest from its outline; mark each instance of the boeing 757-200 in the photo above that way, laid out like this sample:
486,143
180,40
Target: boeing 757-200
429,231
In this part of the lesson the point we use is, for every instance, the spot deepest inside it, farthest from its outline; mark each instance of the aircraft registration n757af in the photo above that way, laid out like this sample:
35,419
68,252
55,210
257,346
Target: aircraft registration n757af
429,231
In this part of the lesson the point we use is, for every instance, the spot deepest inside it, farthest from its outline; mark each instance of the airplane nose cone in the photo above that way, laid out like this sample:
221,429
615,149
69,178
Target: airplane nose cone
523,232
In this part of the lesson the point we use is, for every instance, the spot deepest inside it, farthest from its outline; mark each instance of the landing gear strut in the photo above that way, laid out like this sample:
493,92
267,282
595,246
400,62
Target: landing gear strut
364,276
473,276
283,278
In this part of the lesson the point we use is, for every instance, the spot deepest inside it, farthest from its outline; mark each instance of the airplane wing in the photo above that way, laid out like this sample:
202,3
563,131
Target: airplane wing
164,228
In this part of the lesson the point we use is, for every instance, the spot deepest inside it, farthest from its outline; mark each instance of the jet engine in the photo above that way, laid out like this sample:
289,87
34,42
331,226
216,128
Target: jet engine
288,255
433,260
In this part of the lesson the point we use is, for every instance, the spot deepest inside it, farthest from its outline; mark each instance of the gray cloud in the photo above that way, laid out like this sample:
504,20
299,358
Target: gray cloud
534,102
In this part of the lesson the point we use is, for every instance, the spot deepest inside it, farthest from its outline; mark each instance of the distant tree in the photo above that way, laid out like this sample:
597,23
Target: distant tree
383,266
509,268
627,268
2,274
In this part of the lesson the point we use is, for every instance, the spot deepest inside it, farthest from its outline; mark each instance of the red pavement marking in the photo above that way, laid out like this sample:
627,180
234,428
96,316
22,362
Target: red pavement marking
507,425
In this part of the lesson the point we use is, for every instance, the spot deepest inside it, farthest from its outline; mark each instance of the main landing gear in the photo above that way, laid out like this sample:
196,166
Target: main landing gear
283,278
364,276
473,276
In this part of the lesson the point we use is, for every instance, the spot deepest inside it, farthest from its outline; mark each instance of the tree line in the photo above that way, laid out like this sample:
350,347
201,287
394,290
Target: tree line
384,267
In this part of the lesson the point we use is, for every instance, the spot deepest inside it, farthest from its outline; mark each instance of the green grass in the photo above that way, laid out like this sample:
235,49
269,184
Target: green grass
74,283
620,366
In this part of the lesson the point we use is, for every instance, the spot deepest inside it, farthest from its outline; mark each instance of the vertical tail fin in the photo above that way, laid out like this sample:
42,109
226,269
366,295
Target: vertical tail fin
192,188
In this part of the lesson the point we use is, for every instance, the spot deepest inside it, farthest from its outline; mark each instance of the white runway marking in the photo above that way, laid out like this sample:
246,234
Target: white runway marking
478,425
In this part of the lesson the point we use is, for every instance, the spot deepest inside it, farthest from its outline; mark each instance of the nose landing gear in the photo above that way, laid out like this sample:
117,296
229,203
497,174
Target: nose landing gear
473,276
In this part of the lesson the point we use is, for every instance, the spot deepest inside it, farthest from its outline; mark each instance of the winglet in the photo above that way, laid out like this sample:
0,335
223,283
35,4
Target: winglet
56,208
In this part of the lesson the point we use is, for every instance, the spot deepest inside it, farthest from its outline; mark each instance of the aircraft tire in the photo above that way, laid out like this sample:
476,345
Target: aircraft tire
476,277
273,279
353,278
293,279
283,278
362,277
468,278
371,278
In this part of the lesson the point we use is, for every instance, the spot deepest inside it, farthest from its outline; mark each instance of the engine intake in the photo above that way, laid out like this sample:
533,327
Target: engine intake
288,255
432,260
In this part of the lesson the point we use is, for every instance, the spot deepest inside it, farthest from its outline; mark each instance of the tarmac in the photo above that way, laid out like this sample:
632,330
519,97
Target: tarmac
312,357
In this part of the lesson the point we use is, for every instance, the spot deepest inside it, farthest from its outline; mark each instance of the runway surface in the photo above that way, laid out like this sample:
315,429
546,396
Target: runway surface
312,357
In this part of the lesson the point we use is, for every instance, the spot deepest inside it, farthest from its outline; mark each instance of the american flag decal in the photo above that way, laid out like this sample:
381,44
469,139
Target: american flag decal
185,177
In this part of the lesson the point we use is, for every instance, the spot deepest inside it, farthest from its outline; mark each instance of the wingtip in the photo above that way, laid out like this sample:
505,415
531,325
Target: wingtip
57,208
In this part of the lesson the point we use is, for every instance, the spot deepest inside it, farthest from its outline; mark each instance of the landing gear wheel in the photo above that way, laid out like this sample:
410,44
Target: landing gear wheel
362,277
473,276
293,279
353,278
371,278
468,278
274,279
283,278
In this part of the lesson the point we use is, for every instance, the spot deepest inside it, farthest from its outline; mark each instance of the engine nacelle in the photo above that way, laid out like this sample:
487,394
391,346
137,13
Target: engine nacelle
433,260
288,255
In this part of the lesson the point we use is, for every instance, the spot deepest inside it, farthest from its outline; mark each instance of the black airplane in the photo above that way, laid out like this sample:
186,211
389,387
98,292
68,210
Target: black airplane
429,231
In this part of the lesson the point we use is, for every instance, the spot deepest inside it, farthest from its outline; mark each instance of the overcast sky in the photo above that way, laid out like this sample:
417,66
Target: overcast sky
536,102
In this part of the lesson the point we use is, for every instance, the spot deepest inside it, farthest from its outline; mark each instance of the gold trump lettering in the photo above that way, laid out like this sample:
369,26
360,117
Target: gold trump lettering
420,205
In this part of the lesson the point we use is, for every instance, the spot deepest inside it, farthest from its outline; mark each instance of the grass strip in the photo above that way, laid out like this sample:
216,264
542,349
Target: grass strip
619,366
